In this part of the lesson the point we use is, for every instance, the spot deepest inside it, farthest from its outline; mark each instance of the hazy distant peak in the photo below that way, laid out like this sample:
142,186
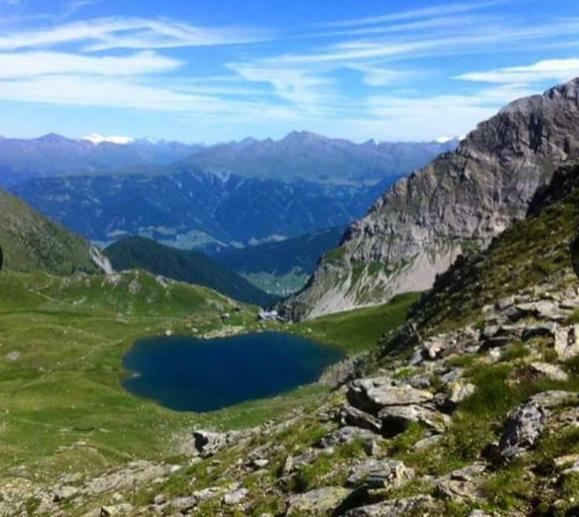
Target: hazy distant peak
303,135
97,139
52,138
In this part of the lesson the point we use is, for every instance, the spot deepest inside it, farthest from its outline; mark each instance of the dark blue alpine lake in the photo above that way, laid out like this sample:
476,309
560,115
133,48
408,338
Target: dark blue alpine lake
191,374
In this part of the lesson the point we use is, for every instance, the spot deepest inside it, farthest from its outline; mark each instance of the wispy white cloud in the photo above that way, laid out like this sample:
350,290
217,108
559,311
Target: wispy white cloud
548,70
460,41
305,90
380,76
412,14
129,33
32,64
424,117
429,24
131,93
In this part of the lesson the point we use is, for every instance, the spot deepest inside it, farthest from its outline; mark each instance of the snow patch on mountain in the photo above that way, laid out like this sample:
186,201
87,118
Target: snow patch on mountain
97,139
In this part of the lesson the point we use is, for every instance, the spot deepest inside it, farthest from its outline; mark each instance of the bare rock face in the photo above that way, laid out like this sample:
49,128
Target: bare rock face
465,198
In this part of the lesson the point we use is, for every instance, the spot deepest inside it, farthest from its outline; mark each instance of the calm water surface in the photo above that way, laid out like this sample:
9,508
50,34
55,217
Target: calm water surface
191,374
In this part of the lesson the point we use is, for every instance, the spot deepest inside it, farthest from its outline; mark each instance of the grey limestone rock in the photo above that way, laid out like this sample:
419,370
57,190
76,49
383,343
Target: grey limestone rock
418,228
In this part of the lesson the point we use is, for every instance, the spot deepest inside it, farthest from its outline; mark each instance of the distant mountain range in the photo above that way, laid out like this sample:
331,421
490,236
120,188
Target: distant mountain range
304,156
55,155
231,194
300,156
186,266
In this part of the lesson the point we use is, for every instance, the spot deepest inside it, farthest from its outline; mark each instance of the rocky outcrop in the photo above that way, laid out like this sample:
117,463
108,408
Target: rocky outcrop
419,505
317,502
526,423
463,199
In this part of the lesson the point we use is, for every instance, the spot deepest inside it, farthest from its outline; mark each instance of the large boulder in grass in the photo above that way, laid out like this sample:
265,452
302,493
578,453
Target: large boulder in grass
419,505
322,501
526,423
373,394
207,443
380,473
567,341
395,419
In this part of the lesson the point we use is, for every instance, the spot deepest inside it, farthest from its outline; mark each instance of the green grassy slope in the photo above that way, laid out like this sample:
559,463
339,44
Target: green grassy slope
32,242
62,340
359,330
185,266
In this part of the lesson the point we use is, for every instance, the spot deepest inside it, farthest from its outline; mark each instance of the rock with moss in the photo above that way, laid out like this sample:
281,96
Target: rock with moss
419,505
526,423
321,501
462,485
397,418
376,393
380,473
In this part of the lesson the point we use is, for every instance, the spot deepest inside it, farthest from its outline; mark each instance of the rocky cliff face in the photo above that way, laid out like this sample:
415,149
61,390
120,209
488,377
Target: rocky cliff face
463,199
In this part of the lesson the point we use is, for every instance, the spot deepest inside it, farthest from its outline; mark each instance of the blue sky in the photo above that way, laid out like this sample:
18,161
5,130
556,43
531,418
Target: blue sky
208,71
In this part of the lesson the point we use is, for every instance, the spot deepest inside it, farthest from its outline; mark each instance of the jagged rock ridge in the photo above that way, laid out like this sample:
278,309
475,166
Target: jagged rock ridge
462,199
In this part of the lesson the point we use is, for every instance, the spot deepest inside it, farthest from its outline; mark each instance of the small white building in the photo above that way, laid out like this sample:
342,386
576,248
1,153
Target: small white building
268,315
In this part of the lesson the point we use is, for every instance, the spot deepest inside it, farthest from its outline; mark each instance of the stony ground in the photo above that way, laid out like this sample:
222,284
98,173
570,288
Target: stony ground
482,420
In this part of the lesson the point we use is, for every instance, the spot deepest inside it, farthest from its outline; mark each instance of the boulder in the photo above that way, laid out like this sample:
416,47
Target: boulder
458,391
497,336
384,473
546,329
346,435
526,423
427,442
321,501
64,492
235,497
419,505
550,371
544,310
117,509
395,419
350,415
259,463
372,395
208,443
432,349
567,342
463,484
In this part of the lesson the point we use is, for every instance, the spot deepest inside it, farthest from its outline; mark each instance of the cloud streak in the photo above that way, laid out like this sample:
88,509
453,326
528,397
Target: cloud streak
413,14
129,33
32,64
549,70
